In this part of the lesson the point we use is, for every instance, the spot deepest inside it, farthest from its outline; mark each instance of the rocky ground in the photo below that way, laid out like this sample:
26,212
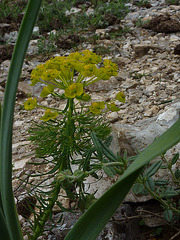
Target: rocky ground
148,57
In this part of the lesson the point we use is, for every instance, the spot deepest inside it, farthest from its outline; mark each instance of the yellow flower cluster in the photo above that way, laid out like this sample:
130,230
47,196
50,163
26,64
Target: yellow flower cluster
59,72
96,107
30,104
73,90
49,115
72,74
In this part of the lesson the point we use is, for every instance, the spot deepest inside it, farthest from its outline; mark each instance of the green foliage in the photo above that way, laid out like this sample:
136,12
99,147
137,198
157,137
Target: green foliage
11,9
173,2
101,211
161,189
142,3
120,33
47,45
140,22
67,141
102,50
54,14
8,216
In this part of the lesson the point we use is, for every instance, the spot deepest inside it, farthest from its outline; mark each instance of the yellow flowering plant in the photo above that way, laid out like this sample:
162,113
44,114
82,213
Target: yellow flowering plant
60,73
65,134
57,140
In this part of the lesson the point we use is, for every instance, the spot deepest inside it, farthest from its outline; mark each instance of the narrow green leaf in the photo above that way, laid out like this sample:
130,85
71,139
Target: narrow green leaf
97,146
8,204
168,215
138,189
108,141
161,182
109,171
3,227
177,174
153,168
169,194
86,161
150,183
175,158
92,222
107,152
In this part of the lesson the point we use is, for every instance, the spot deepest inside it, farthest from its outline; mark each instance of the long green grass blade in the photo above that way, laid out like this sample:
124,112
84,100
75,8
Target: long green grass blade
3,227
8,206
92,222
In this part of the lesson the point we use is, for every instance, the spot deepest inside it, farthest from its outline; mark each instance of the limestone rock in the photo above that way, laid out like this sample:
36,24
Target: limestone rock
143,132
104,85
142,49
11,37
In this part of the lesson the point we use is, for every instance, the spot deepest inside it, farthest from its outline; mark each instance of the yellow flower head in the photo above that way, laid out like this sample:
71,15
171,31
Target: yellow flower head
75,56
36,74
30,104
96,107
49,115
112,107
73,90
89,57
102,74
50,74
110,71
55,63
110,68
120,97
108,62
89,70
47,90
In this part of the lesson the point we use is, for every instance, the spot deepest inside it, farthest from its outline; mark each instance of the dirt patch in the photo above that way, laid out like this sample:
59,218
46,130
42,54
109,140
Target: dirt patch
177,49
5,52
68,42
11,24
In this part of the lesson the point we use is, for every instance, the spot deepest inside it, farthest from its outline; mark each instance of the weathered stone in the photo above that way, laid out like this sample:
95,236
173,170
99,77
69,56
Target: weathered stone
132,16
142,133
142,49
24,87
103,85
163,23
73,10
11,37
130,83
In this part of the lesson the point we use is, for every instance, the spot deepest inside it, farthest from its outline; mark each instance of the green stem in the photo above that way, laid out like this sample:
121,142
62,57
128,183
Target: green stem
112,164
173,176
47,212
64,165
54,109
158,198
89,82
170,169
